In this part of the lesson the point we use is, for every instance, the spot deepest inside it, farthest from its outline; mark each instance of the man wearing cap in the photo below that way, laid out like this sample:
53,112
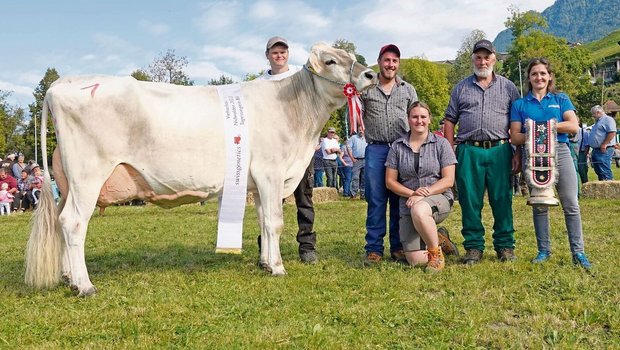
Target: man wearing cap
7,163
330,148
385,118
276,52
602,139
480,104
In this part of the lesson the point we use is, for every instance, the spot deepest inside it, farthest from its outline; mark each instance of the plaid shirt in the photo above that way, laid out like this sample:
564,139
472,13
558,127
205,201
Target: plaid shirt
482,114
435,154
385,116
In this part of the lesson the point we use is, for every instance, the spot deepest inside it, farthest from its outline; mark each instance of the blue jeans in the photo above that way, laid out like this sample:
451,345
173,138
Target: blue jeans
601,163
378,197
347,173
357,184
318,177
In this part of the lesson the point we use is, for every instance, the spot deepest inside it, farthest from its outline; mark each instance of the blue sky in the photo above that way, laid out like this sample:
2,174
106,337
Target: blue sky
223,37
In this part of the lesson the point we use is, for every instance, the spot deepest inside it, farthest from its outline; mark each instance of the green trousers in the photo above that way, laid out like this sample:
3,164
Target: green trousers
479,170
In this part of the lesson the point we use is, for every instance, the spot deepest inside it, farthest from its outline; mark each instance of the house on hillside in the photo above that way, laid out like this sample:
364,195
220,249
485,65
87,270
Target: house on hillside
612,109
609,69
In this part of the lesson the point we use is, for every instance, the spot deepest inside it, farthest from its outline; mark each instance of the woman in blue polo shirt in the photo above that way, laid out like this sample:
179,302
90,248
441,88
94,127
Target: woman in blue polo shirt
543,103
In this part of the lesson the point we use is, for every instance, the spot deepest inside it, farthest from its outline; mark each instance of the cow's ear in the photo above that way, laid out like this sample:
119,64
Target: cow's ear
315,58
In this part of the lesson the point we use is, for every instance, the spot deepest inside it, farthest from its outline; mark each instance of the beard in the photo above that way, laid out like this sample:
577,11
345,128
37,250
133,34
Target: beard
484,72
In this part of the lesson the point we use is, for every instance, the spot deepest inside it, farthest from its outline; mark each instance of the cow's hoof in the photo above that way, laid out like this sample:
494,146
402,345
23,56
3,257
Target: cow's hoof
278,270
264,266
66,279
83,293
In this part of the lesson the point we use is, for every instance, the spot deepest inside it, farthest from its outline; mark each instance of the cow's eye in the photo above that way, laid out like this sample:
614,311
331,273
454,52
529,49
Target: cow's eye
330,62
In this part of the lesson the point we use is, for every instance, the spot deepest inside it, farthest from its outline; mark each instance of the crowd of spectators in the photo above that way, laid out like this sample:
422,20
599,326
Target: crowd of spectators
345,163
20,184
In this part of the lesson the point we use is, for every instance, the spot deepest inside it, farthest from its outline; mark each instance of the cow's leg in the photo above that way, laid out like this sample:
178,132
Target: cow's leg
271,207
66,266
74,220
262,262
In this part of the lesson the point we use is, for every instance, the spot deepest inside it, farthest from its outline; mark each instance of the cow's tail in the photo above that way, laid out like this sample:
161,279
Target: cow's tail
45,246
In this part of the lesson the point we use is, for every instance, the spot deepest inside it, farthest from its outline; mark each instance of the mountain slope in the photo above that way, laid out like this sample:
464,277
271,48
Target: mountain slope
576,20
606,47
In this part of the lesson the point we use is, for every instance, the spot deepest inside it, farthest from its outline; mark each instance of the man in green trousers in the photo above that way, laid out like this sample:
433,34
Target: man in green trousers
480,104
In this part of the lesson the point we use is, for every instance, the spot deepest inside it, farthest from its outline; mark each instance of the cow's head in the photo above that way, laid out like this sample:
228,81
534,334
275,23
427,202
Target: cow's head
338,67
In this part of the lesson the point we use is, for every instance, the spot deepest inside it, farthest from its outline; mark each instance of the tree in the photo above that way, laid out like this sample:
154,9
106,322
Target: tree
350,47
252,76
570,64
222,80
36,109
141,75
11,126
168,68
431,83
462,66
521,22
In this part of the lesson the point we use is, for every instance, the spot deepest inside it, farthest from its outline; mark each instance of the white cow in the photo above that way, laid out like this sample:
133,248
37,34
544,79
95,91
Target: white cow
115,130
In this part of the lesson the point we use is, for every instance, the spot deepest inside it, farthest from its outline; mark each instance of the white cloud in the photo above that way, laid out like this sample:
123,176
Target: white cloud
263,10
205,70
110,42
15,88
30,78
218,16
436,29
155,29
21,95
88,57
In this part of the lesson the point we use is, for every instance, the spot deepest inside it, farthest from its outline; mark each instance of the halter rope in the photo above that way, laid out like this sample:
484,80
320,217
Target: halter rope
354,102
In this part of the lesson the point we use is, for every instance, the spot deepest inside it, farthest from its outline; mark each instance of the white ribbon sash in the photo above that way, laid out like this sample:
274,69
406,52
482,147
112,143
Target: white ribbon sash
232,204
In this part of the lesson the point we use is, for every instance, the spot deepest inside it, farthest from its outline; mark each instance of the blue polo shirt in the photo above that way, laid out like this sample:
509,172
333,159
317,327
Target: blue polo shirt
552,106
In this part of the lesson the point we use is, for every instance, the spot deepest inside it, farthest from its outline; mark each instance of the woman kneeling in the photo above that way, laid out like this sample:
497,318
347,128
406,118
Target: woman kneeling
420,169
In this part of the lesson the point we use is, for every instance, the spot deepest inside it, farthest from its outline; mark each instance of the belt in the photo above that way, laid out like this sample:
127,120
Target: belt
379,143
359,157
485,144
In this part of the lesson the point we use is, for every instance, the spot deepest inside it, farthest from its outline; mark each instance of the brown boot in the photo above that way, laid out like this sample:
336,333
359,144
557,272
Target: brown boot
447,246
436,261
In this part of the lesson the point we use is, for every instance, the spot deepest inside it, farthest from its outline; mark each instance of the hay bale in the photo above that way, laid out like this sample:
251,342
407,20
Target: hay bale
601,190
324,194
319,195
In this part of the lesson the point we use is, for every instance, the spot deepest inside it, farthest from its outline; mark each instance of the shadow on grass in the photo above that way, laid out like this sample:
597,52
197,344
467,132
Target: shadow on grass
141,258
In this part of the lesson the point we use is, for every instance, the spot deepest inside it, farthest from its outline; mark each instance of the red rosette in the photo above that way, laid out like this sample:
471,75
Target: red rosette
349,90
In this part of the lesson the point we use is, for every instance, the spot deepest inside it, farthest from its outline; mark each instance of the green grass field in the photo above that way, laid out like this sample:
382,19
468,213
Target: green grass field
162,286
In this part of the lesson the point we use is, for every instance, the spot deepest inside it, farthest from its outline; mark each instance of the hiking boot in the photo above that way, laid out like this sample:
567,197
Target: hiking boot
447,246
506,254
399,256
541,257
436,261
372,258
580,259
472,256
308,257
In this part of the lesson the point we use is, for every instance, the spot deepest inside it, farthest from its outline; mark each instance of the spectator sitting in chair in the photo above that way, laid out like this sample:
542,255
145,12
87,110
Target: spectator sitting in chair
35,184
21,202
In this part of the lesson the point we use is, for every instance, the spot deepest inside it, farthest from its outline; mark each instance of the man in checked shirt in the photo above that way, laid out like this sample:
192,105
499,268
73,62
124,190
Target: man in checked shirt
480,104
385,119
